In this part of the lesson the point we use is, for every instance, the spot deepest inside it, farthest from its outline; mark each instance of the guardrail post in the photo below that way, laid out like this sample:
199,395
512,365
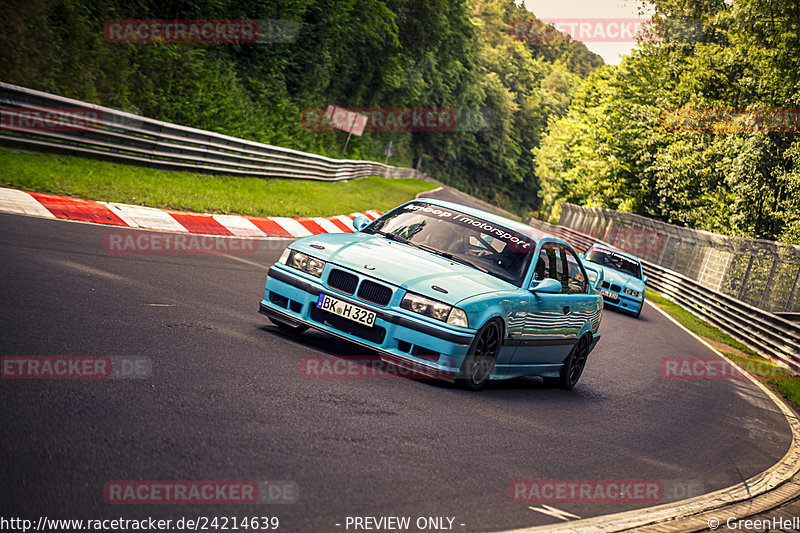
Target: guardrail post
744,278
769,281
792,294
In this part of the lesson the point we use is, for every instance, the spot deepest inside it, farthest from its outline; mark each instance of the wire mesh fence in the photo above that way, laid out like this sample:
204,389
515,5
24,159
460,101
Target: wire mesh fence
762,273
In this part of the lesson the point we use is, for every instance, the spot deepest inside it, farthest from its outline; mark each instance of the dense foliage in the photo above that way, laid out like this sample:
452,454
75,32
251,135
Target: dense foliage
680,131
354,53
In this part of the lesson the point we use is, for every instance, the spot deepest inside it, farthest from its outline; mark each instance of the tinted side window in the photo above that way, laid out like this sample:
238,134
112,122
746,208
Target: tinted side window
576,280
546,264
562,272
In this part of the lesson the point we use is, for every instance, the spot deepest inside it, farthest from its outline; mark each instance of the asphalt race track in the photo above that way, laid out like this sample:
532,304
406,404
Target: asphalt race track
227,400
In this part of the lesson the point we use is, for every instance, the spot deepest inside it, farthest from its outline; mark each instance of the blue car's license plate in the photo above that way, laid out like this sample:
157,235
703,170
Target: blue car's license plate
610,295
346,310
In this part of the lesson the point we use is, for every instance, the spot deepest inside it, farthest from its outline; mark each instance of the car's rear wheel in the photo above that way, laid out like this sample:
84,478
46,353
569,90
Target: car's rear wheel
573,366
481,357
288,328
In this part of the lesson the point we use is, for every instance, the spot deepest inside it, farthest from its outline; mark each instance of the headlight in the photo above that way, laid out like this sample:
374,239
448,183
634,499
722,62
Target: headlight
306,263
434,309
284,256
633,293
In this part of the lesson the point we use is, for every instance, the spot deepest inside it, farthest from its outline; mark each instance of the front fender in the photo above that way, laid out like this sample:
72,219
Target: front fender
483,307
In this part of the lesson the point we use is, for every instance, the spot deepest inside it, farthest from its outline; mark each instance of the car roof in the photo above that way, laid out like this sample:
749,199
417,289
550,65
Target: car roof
614,249
524,229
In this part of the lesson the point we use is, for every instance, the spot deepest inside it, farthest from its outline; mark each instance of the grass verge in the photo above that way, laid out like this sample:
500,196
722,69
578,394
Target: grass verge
779,379
205,193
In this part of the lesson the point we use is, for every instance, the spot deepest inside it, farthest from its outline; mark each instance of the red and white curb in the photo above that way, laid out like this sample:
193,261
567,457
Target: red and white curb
136,216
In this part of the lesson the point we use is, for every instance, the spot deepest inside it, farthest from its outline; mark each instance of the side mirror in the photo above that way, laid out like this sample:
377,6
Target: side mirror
361,222
582,256
595,275
548,285
645,278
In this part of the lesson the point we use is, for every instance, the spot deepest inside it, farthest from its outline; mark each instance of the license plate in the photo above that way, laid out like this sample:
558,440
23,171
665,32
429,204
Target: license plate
346,310
608,294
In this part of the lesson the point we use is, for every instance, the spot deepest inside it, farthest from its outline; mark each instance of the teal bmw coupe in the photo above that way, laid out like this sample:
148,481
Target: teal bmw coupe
623,281
446,291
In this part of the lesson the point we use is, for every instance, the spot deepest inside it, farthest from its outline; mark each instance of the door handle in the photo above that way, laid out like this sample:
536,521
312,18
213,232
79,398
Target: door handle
566,309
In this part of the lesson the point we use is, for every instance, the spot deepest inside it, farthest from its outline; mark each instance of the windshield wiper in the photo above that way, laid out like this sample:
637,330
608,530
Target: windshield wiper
393,237
464,262
446,255
451,257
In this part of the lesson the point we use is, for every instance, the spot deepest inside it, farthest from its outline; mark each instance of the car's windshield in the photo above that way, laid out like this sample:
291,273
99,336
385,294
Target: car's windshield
493,249
611,259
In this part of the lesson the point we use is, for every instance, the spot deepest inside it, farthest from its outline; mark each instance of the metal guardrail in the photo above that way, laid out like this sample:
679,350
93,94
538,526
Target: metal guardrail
765,333
123,137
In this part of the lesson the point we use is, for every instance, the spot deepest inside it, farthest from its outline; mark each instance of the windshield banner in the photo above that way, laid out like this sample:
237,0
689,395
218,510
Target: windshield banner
519,241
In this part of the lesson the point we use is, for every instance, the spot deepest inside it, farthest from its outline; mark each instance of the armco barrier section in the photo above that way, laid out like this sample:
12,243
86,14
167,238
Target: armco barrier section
127,138
769,335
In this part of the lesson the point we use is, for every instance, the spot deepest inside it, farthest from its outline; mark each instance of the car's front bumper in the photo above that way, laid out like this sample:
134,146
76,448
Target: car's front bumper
403,340
624,302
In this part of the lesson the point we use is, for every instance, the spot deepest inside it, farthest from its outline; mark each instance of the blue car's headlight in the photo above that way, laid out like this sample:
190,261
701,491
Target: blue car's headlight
631,292
300,261
435,309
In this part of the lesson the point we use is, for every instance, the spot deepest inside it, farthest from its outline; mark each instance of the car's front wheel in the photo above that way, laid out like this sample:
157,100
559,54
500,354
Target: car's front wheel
573,366
481,357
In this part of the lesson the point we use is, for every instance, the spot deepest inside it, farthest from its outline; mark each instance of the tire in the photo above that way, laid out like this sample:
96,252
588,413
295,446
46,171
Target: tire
573,366
482,356
639,311
288,328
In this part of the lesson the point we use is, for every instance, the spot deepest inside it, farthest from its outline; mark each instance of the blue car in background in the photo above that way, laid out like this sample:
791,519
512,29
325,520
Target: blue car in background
622,283
446,291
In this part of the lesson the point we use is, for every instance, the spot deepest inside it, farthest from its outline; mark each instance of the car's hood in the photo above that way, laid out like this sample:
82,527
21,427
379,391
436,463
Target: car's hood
402,265
616,277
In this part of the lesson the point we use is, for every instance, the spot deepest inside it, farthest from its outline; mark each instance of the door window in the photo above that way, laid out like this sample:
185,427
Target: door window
575,280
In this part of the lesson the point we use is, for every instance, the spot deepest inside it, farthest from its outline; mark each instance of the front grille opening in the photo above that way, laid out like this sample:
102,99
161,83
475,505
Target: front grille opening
605,285
425,353
616,288
295,306
404,346
342,281
277,299
374,334
374,293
